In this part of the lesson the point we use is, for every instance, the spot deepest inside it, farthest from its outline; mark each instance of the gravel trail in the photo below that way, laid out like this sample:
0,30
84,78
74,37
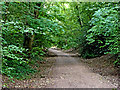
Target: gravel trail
69,72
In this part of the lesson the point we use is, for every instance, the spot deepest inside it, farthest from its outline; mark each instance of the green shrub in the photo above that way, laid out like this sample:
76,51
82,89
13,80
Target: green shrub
15,64
105,31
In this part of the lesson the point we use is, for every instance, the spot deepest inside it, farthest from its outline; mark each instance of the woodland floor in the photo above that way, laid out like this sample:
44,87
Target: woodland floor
67,71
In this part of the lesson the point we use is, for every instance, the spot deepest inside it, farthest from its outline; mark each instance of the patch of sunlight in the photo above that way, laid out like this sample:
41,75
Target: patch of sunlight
66,5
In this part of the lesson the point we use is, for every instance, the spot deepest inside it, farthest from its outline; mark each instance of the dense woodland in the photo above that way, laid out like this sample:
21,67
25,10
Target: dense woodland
30,28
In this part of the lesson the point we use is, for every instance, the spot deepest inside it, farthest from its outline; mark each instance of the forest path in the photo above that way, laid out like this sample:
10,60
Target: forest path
69,72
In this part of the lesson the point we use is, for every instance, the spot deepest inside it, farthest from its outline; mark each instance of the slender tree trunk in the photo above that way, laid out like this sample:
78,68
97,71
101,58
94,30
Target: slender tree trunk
79,17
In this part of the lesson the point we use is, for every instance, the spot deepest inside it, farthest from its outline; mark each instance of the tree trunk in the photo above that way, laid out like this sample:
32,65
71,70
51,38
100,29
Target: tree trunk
28,41
79,17
31,42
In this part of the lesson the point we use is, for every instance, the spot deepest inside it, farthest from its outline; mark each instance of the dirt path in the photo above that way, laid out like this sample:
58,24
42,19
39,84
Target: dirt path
69,72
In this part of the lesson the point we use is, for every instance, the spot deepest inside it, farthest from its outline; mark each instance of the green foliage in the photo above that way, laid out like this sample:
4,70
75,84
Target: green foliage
105,30
36,52
15,63
12,32
31,19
